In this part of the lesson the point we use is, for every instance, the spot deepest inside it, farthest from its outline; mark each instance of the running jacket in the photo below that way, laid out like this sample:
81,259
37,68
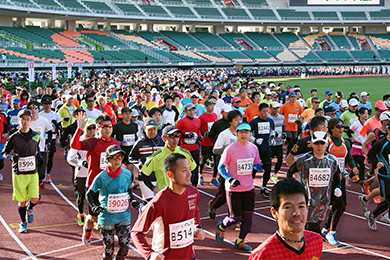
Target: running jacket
313,173
24,146
380,152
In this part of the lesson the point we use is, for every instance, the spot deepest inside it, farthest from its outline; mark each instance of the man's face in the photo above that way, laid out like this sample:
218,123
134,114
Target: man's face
172,140
236,121
315,103
148,97
115,161
151,132
328,97
25,121
293,99
210,108
237,104
34,109
275,111
158,116
190,112
90,103
105,129
91,130
194,100
244,135
69,102
292,213
182,173
47,107
319,147
353,108
168,103
101,101
16,106
127,115
257,99
264,113
364,98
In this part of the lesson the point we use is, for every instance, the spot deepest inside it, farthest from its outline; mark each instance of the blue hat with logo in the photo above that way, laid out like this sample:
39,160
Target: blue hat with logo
292,94
243,126
329,92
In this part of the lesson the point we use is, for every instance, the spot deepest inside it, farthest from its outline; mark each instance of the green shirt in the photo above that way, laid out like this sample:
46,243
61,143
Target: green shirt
347,116
155,163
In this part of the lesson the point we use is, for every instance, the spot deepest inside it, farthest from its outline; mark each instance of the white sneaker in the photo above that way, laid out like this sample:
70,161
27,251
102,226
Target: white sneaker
1,177
385,218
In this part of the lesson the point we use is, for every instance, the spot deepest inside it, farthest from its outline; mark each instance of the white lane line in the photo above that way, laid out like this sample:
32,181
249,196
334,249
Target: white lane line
357,216
336,248
365,250
28,252
63,196
225,214
62,249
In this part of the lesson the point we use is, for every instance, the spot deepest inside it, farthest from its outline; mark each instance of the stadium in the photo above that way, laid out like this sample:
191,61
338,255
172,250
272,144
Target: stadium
193,33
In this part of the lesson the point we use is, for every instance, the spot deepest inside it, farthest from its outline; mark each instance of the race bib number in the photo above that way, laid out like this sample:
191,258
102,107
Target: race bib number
117,202
26,164
279,130
103,162
209,125
292,118
129,139
352,120
14,120
263,128
341,163
39,130
319,177
182,234
244,166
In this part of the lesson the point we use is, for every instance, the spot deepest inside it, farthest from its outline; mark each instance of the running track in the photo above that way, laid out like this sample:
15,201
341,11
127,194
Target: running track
56,235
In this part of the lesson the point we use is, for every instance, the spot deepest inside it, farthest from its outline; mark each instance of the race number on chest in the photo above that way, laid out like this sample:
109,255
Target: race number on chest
263,128
319,177
292,118
129,139
244,166
103,162
182,234
26,164
117,202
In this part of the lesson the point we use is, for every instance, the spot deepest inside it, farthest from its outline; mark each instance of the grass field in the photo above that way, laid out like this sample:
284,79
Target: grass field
376,86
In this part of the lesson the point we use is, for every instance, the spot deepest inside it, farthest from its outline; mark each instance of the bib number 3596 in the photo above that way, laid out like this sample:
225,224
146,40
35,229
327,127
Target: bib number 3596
26,164
182,234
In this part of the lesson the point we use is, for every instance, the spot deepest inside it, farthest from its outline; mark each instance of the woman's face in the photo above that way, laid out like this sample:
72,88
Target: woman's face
363,116
338,130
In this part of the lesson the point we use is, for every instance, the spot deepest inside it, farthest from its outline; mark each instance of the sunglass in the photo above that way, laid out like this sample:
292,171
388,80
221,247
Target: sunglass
33,108
116,156
319,142
91,128
339,126
106,126
317,102
174,136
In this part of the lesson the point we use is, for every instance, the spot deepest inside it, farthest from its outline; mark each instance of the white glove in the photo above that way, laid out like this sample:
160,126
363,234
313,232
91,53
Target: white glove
338,192
156,256
259,141
200,234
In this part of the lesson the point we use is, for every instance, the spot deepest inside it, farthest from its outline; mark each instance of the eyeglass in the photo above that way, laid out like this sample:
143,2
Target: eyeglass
106,126
174,136
33,108
319,143
91,128
116,156
339,126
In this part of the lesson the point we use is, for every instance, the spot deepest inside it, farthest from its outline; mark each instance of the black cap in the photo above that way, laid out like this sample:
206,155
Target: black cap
330,110
313,89
114,149
46,100
125,109
24,112
78,110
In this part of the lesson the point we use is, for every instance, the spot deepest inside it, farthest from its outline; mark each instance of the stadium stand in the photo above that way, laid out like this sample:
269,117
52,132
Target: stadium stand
208,12
385,54
259,56
73,5
154,10
49,4
235,56
381,41
380,15
325,15
189,56
171,2
291,40
159,39
184,39
213,56
264,40
238,40
306,55
364,55
103,38
169,56
288,14
181,11
137,40
200,2
340,40
26,36
235,13
99,7
263,14
141,56
284,55
313,39
354,15
355,38
335,55
129,9
211,40
25,3
255,3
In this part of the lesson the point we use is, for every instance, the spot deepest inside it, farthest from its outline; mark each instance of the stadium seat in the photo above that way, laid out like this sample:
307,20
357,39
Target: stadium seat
335,55
259,56
99,7
211,40
27,36
264,40
263,14
235,56
189,56
380,40
154,10
380,15
137,40
288,14
235,13
100,57
364,55
208,12
103,38
283,55
169,56
385,54
181,11
291,40
255,3
129,9
354,15
49,4
213,56
235,38
141,56
172,2
354,39
306,55
73,5
184,39
200,2
340,40
25,3
325,15
311,39
154,37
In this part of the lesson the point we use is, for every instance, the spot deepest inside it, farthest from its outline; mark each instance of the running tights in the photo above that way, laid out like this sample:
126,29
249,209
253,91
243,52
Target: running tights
246,223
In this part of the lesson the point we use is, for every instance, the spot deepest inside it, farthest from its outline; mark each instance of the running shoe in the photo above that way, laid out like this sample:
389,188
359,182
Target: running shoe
48,178
371,220
1,177
215,183
324,232
385,218
366,187
363,204
42,185
23,227
30,216
355,178
240,244
86,236
212,211
348,181
377,200
264,192
275,178
81,219
238,227
220,234
332,239
201,180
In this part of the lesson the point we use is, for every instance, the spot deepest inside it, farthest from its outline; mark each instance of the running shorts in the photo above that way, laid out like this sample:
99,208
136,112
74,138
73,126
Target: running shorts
240,202
26,186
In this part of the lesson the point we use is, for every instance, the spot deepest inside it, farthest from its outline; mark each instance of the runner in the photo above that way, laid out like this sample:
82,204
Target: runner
252,110
277,142
25,158
289,206
237,163
349,116
90,110
317,171
113,188
78,159
173,214
96,157
12,116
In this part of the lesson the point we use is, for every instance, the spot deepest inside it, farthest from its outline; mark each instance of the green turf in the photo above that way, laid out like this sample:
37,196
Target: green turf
376,86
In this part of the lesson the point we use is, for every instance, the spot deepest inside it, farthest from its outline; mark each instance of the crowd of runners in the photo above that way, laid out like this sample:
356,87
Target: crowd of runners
157,130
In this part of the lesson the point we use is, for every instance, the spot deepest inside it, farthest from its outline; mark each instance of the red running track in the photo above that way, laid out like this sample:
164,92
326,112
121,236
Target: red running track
56,235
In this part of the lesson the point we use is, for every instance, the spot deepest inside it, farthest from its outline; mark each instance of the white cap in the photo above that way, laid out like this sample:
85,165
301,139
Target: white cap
154,91
275,104
353,102
364,93
264,81
268,91
226,108
195,94
271,85
319,136
343,103
384,116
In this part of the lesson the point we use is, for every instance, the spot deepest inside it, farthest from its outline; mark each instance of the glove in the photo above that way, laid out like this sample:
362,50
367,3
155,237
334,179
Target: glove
97,210
234,182
135,204
259,141
200,138
188,135
85,164
8,156
284,136
206,134
66,119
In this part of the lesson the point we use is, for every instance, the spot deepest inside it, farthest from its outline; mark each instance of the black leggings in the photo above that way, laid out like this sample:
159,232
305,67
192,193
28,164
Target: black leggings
292,138
207,152
195,172
360,162
123,233
338,208
80,187
278,152
220,197
384,184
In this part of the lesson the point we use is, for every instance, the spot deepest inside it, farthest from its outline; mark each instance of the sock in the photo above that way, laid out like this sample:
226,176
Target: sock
245,225
22,213
30,205
324,230
364,198
332,232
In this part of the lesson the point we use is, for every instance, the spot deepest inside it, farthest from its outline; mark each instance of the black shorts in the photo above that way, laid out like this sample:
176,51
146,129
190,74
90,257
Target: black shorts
240,202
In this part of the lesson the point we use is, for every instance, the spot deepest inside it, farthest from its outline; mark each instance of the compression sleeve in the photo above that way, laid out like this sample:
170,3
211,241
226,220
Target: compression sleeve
293,169
258,167
91,195
147,181
223,172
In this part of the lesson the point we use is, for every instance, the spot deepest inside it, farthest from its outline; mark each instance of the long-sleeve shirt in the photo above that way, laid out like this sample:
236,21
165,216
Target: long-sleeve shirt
380,152
174,218
187,125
